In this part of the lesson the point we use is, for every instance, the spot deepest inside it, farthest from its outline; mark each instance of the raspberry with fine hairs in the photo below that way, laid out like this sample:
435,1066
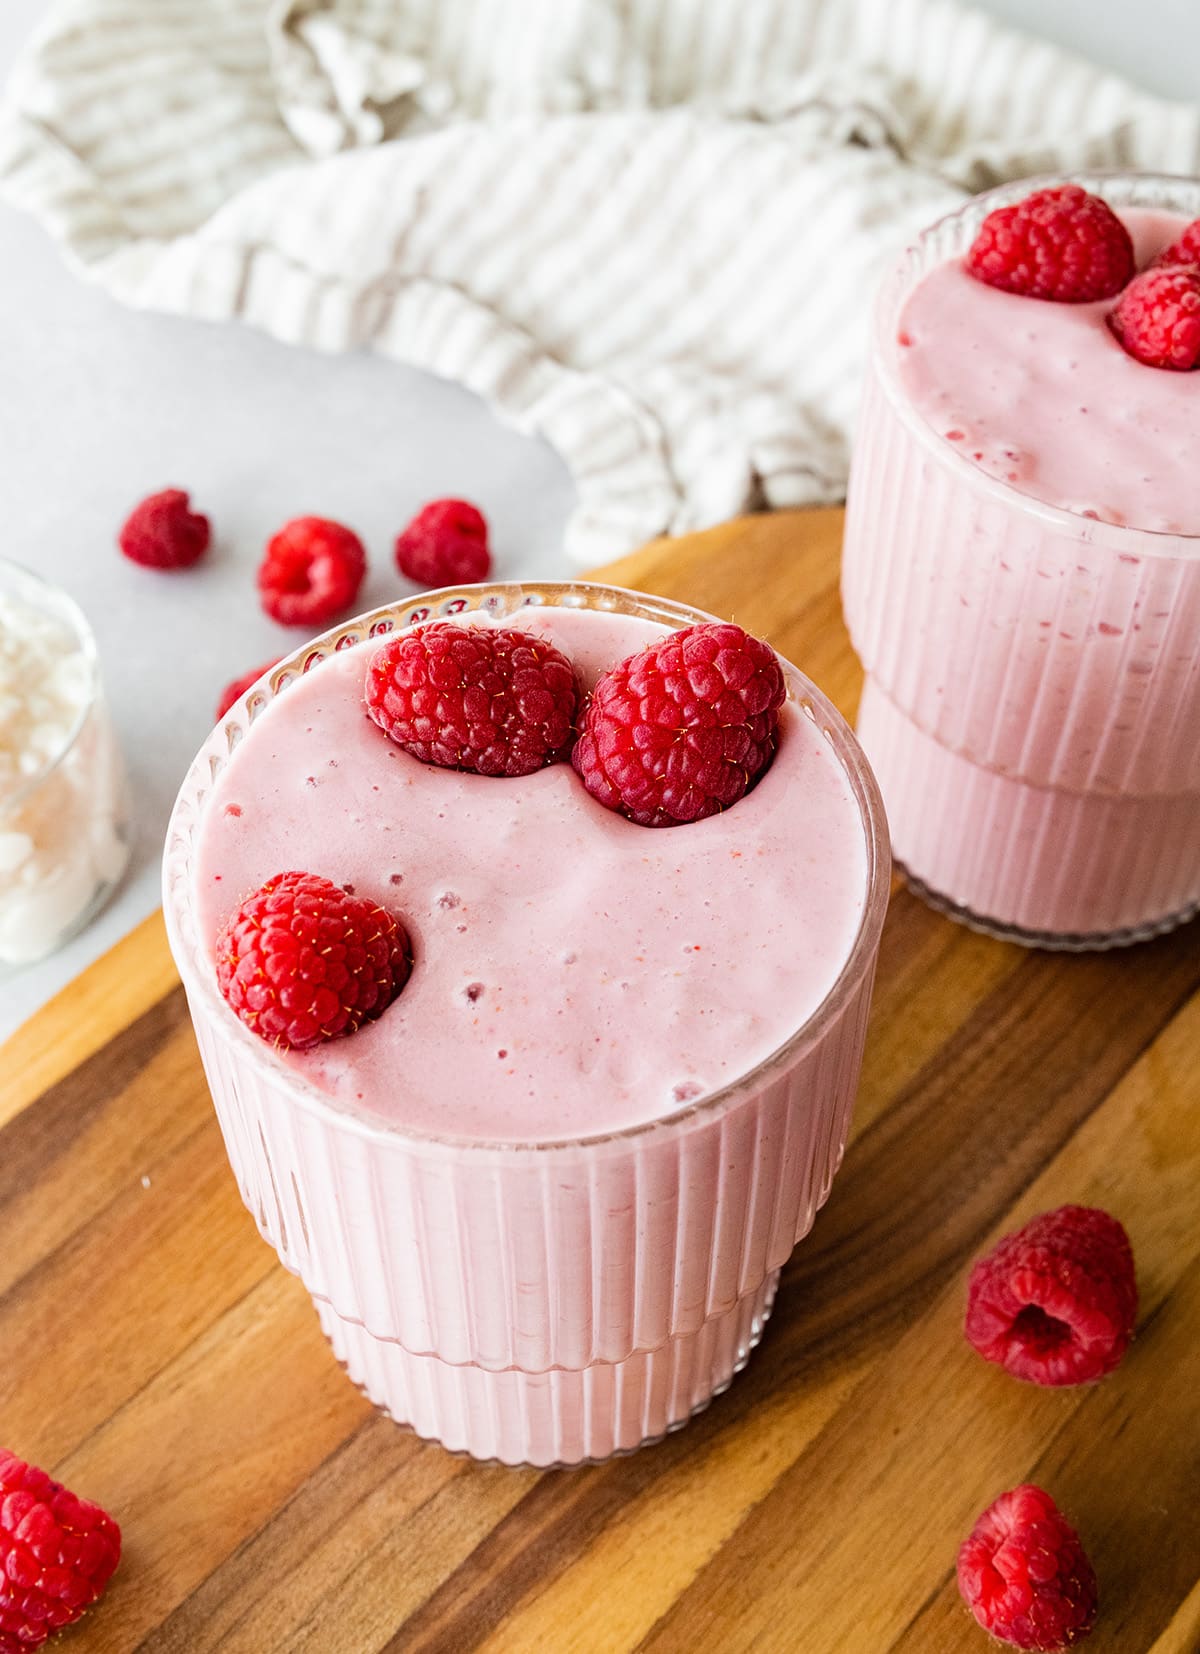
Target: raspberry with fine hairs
498,702
1157,318
1024,1575
684,728
1055,1303
1060,243
446,544
57,1554
302,961
1185,249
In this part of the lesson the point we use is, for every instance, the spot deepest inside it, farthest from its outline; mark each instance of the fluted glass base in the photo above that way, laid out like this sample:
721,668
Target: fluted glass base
560,1417
1075,871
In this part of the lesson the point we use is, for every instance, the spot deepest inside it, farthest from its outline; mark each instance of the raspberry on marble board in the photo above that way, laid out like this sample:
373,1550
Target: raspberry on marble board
163,532
237,687
311,572
446,544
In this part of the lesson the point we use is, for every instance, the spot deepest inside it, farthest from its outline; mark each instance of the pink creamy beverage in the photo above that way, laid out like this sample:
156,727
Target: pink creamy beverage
1022,582
542,1202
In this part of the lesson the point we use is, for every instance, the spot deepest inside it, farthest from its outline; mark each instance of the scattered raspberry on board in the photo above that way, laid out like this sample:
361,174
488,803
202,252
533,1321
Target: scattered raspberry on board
57,1554
446,544
311,572
1055,1303
1024,1575
234,690
163,532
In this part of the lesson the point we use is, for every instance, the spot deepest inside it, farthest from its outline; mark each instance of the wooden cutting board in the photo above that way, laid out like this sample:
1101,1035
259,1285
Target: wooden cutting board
157,1358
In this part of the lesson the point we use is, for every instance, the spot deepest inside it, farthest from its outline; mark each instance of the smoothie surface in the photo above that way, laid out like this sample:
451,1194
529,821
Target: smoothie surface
1041,395
574,974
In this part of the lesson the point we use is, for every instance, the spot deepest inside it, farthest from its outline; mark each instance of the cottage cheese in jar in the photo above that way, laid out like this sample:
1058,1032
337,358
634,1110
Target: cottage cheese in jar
63,819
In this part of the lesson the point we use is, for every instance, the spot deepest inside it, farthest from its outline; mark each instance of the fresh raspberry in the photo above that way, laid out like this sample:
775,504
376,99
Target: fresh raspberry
1059,243
303,961
1184,250
684,728
496,702
311,572
1157,318
1023,1573
237,688
1055,1302
57,1553
163,533
446,544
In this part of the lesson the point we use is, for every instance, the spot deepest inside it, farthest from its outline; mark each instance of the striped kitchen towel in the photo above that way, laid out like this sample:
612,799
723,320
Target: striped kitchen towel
647,229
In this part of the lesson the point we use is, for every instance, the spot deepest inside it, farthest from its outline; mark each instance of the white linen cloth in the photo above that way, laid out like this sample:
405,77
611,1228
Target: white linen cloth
648,229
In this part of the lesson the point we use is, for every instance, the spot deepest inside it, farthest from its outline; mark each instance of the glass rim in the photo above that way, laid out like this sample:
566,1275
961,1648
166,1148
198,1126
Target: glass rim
1121,188
69,611
188,811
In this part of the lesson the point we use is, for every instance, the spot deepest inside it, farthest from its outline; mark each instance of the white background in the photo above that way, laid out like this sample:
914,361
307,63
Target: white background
99,406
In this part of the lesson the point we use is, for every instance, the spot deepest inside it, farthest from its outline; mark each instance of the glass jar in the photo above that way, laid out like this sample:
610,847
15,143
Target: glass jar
64,824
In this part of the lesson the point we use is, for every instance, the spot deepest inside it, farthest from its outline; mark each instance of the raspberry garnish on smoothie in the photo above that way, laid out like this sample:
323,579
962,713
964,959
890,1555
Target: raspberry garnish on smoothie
1060,243
682,729
303,960
500,703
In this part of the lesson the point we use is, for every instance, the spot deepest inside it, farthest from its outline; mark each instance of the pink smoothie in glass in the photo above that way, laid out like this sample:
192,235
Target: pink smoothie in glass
576,973
1022,582
1041,395
542,1201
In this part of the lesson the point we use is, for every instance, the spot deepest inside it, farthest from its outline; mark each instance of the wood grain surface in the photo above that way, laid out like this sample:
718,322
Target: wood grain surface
157,1358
